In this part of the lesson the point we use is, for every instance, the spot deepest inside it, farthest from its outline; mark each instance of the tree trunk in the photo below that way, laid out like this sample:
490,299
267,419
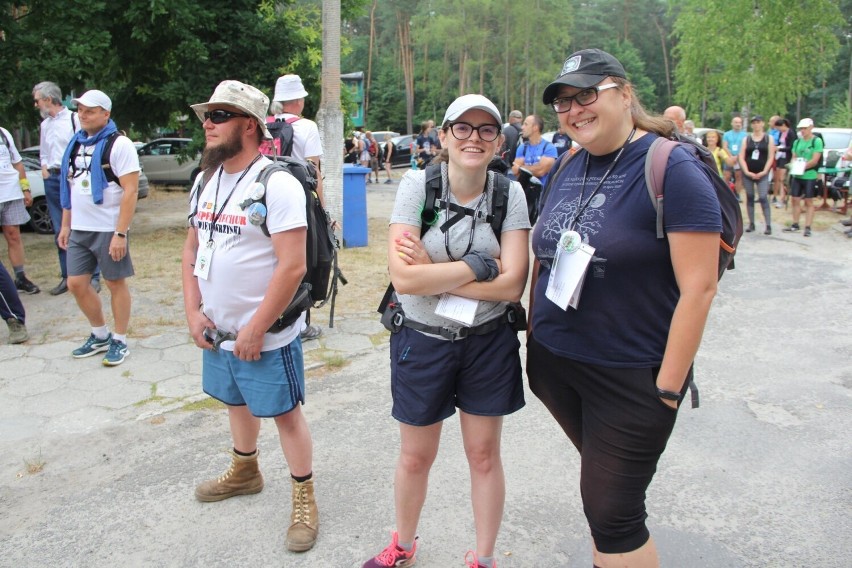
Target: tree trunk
665,60
403,30
370,61
330,115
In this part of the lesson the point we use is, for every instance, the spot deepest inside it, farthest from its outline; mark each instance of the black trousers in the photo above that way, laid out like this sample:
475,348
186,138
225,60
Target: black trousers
619,426
10,301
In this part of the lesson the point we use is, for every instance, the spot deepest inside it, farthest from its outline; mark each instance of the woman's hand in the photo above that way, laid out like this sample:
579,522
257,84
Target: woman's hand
410,249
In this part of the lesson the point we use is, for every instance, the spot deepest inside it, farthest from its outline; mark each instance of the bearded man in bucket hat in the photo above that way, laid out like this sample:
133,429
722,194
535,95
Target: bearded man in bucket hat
236,282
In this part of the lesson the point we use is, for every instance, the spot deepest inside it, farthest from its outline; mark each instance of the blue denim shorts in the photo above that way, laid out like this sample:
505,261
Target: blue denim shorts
430,377
269,387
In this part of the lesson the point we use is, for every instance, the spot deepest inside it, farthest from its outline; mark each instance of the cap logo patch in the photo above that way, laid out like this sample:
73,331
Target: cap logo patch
571,64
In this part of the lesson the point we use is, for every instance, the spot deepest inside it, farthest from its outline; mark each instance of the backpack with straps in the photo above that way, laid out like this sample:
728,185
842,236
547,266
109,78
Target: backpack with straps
655,168
319,285
105,157
282,137
434,202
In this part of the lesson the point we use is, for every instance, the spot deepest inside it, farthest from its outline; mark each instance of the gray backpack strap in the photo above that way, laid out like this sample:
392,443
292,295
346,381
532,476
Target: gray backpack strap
655,172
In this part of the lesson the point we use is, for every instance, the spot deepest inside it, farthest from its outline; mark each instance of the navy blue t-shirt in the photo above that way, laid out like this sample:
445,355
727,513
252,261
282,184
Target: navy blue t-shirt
630,292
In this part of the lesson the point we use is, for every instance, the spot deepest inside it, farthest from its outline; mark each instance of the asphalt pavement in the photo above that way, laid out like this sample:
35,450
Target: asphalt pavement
98,465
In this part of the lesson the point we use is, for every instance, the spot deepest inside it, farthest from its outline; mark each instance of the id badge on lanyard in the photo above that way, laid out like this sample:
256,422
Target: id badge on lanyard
569,270
203,259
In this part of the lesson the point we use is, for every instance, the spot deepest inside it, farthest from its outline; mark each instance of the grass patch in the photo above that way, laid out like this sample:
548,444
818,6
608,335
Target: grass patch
334,361
208,403
379,338
34,465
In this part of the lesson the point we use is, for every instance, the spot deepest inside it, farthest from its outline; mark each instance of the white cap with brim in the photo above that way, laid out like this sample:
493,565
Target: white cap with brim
805,123
469,102
94,98
240,96
289,88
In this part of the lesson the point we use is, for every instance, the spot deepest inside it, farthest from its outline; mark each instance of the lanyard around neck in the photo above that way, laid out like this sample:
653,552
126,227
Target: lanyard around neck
216,215
582,208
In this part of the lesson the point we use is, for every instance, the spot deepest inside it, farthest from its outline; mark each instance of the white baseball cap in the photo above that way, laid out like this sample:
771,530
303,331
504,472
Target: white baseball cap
805,123
289,88
469,102
94,98
244,97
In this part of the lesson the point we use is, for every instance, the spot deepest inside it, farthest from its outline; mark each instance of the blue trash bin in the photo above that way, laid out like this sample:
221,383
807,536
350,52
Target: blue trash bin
354,206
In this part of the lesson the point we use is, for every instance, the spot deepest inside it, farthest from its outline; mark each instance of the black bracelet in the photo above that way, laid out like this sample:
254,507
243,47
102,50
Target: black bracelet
668,395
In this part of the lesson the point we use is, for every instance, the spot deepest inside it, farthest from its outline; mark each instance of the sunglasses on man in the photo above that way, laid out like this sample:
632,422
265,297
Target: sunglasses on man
219,116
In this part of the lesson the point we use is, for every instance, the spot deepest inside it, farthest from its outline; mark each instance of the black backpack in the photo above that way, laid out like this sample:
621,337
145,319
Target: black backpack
433,202
319,284
105,157
282,137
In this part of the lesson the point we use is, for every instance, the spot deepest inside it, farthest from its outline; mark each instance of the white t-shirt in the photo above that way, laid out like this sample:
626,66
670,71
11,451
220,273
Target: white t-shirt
10,187
306,138
243,258
86,215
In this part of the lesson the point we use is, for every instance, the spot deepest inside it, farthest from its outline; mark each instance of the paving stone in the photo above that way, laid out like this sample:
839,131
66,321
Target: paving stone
21,366
81,421
349,343
182,353
60,350
21,427
34,384
362,325
179,387
165,340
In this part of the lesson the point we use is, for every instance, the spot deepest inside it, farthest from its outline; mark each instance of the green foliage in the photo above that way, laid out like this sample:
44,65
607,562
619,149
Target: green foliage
841,115
156,57
761,55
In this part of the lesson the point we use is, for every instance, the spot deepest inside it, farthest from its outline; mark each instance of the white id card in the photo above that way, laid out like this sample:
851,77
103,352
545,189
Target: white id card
86,185
797,168
567,276
203,258
456,308
755,154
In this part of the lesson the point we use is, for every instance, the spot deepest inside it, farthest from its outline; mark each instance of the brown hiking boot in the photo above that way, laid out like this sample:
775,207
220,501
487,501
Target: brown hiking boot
242,478
304,520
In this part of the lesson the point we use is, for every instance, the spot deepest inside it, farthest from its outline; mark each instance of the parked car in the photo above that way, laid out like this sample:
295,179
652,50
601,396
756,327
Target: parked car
39,214
835,142
402,150
700,132
382,135
162,162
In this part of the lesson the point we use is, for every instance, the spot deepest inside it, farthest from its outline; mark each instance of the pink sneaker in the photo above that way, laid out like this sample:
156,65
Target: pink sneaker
471,561
393,555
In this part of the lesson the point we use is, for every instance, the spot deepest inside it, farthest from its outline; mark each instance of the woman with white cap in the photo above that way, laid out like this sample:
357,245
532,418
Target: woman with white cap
617,314
453,346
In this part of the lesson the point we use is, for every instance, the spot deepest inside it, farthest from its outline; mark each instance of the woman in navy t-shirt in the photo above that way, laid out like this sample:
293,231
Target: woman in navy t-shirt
611,355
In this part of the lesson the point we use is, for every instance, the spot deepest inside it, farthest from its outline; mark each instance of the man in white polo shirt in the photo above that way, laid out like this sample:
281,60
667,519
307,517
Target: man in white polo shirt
99,181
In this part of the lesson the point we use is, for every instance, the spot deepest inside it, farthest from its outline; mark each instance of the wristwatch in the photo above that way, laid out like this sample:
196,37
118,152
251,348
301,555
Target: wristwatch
120,234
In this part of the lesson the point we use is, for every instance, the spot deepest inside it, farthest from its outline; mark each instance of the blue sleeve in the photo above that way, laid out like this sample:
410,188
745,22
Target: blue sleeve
690,202
549,151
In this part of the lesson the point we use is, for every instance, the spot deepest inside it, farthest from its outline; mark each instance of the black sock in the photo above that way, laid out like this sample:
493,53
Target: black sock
243,454
302,479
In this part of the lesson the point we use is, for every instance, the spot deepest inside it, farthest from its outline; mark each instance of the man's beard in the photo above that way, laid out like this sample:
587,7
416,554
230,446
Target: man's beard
44,113
214,156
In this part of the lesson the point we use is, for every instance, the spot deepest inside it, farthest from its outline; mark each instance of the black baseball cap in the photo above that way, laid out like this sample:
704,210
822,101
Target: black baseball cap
584,69
757,118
